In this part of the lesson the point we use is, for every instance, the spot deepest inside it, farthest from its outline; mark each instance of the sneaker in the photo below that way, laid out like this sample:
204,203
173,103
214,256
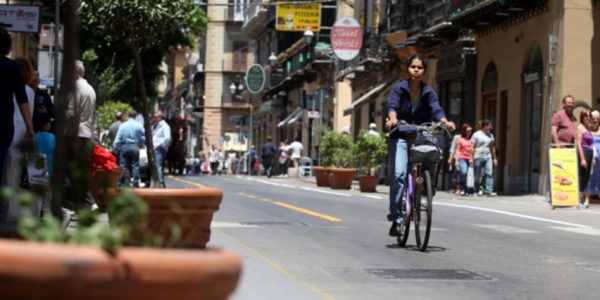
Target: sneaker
492,194
394,229
463,193
94,207
480,193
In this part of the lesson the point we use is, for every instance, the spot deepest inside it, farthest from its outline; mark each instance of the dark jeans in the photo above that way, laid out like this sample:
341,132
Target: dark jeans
214,165
79,151
130,161
268,165
160,154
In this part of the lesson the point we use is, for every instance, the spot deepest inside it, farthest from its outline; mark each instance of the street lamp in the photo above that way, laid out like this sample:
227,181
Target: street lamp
232,88
308,36
272,59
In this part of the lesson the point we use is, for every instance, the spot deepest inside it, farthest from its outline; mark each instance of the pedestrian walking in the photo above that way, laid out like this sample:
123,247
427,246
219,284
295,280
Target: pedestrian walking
45,142
43,102
373,130
79,139
252,161
283,158
463,156
593,186
267,153
161,140
114,127
130,138
213,159
454,172
563,123
585,151
484,158
297,148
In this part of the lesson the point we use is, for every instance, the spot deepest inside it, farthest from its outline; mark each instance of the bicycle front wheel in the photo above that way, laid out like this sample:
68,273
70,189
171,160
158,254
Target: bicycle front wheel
404,228
423,210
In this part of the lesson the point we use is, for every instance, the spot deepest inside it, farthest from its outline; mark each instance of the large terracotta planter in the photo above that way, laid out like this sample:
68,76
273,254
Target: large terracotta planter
103,180
367,184
191,210
322,175
341,178
31,270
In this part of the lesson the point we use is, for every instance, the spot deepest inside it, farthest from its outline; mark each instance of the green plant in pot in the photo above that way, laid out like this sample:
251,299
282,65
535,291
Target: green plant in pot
337,155
369,151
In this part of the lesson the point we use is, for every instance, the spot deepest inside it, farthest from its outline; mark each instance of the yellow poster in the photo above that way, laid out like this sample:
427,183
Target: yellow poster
298,17
564,177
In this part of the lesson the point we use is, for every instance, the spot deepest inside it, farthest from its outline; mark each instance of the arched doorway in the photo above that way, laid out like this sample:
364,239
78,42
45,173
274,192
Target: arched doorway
489,92
532,87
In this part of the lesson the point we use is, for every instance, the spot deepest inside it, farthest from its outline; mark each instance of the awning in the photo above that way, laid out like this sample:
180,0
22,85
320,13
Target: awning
291,118
373,92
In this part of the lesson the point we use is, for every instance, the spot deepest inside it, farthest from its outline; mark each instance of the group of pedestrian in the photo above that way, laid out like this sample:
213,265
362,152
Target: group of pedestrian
130,137
476,151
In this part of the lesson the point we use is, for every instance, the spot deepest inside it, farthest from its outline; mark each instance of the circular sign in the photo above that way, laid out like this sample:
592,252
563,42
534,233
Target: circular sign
346,38
255,78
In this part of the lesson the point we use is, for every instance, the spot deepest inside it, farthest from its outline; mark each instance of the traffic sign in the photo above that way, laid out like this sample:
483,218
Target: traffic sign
255,78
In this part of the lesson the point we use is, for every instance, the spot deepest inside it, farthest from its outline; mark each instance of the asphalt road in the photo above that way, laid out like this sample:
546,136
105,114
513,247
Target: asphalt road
303,242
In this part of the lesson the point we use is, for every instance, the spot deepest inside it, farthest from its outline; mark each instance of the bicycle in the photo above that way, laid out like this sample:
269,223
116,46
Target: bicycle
427,144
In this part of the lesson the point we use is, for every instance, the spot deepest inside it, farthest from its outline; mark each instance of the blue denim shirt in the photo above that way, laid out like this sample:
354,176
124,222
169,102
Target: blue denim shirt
428,109
130,132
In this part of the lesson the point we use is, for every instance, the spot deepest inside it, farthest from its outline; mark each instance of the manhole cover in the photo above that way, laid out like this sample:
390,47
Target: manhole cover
431,274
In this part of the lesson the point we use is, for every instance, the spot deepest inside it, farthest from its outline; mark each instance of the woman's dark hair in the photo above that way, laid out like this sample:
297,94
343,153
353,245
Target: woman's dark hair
483,123
463,130
5,42
419,57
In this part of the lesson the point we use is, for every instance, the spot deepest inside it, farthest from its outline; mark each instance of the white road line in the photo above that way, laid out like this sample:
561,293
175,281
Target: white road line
512,214
325,192
287,185
371,196
506,229
587,231
268,182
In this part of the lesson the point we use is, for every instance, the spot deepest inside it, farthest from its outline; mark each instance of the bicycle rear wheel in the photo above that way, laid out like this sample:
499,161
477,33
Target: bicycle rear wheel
423,210
404,228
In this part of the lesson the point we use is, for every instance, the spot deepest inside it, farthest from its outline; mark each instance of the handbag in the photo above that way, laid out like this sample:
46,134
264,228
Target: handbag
470,177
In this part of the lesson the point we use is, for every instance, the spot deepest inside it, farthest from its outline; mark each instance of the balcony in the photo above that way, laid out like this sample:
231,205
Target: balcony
486,14
236,61
255,19
234,101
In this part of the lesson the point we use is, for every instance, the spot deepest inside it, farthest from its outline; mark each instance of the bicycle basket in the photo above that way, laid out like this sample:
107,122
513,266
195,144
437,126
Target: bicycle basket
426,147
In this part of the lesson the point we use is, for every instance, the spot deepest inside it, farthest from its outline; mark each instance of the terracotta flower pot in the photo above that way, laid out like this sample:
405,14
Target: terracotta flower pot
322,175
367,184
103,180
341,178
32,270
191,210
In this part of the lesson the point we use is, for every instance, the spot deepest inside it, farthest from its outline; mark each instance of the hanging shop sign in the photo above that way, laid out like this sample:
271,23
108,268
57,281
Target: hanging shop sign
298,17
346,38
18,18
255,78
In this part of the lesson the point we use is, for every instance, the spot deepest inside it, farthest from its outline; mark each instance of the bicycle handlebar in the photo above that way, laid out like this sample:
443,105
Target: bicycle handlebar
427,126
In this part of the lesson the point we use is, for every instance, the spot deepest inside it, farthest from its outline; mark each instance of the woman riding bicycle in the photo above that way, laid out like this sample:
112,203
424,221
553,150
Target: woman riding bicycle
413,102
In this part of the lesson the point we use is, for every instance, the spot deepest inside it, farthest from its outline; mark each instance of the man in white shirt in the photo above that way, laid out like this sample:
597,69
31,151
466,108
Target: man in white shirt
161,140
297,148
79,127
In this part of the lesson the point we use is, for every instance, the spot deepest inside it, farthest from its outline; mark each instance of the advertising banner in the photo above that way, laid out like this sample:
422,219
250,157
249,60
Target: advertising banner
564,186
298,17
20,18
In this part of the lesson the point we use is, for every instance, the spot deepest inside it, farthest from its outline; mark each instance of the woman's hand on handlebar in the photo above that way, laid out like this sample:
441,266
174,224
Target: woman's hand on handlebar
390,123
451,125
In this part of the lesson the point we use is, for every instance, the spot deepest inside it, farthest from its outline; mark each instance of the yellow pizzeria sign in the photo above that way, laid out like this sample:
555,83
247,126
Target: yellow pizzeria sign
564,187
298,17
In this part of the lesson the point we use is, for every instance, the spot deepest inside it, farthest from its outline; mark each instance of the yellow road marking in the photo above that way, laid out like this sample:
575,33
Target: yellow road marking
188,182
241,194
251,196
275,265
308,212
266,199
